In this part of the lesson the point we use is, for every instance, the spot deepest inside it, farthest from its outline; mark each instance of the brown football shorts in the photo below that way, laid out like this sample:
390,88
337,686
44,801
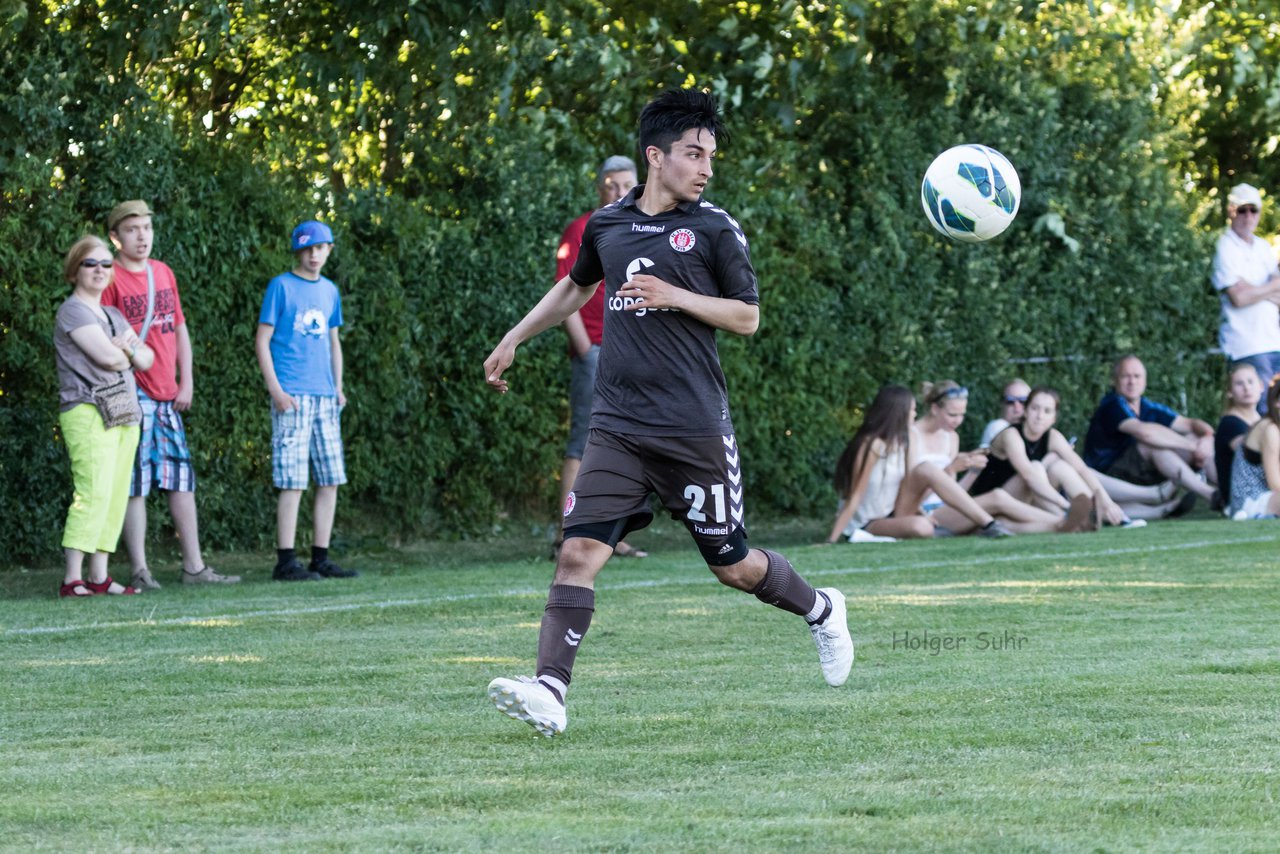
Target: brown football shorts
697,479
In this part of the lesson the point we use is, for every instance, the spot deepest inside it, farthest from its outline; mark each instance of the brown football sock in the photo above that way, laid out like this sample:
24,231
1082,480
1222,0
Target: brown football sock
564,621
783,587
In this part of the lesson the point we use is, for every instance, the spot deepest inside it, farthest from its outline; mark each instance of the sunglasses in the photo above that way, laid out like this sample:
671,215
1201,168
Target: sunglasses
1246,209
958,391
1011,399
94,262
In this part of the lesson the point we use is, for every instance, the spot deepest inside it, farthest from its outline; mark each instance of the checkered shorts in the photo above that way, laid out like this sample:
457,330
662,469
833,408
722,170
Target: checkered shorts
307,440
163,460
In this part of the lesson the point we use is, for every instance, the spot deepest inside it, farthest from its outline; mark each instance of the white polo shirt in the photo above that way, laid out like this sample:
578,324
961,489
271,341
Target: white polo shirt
1255,328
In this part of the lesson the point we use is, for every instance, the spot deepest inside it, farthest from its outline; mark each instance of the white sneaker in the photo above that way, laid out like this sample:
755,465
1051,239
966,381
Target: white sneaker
861,535
530,701
835,644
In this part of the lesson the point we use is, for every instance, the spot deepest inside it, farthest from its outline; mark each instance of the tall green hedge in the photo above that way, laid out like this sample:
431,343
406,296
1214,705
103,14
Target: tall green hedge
447,219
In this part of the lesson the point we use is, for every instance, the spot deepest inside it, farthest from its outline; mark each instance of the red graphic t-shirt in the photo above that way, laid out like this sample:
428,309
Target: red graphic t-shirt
128,292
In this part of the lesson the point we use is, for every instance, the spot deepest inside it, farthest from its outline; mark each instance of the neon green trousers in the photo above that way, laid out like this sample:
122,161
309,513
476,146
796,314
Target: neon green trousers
101,465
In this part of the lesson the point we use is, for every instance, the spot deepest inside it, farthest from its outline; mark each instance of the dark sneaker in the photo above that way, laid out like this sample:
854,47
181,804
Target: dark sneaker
294,571
1183,507
328,569
994,530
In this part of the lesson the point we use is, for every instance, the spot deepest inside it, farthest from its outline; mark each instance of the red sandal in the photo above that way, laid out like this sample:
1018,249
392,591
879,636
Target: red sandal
71,590
104,587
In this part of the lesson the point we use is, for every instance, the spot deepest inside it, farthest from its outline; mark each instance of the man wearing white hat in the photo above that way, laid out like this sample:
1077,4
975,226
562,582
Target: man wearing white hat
1246,276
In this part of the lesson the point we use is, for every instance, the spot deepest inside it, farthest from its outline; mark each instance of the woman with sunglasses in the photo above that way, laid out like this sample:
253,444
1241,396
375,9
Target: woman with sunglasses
1013,402
95,349
1035,463
1247,279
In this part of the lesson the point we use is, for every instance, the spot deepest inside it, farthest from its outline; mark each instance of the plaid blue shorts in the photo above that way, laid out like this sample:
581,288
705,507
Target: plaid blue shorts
163,460
307,440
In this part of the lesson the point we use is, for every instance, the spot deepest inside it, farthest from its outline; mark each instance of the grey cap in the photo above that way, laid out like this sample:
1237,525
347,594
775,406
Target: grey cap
616,163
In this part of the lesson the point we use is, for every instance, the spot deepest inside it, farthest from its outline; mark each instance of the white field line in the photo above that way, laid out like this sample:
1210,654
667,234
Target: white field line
977,560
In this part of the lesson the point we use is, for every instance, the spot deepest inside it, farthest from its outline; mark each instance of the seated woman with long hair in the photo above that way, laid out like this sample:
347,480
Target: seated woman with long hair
1255,471
881,485
1034,462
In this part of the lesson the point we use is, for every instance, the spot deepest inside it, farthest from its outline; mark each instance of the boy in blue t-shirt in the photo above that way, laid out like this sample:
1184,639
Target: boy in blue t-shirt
301,360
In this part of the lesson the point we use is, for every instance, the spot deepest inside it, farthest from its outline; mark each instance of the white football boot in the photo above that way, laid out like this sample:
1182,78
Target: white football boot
835,644
530,701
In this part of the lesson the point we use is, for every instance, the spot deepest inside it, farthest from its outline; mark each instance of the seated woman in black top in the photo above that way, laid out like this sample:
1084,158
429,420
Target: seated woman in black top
1033,461
1255,471
1244,390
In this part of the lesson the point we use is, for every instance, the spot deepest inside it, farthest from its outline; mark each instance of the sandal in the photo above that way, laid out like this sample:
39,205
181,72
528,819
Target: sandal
102,587
74,590
625,549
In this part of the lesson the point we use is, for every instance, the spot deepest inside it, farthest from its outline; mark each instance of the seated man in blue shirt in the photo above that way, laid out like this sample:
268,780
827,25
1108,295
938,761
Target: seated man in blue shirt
1142,443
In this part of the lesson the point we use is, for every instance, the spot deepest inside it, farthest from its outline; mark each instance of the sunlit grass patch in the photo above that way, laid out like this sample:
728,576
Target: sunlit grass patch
1005,697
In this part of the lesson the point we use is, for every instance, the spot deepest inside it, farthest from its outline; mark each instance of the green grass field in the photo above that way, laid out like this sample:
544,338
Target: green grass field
1114,692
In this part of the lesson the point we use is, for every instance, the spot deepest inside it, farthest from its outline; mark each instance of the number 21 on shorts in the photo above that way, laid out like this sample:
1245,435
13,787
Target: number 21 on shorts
697,498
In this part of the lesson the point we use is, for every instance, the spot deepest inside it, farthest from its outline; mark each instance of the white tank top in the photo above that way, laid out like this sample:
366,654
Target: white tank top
887,473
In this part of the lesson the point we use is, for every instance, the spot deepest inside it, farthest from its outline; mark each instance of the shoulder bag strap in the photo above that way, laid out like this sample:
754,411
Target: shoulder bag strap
151,304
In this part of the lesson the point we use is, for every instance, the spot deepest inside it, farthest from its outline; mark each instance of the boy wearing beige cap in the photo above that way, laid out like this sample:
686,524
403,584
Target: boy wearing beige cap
146,292
1246,277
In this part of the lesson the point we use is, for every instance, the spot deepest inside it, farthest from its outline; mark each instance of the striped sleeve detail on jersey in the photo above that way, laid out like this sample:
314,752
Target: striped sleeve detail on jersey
733,223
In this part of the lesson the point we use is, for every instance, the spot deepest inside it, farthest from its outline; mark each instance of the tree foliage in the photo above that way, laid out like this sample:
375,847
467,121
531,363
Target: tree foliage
449,142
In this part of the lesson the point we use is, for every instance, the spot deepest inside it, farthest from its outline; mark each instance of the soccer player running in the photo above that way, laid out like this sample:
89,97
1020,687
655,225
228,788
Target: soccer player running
660,420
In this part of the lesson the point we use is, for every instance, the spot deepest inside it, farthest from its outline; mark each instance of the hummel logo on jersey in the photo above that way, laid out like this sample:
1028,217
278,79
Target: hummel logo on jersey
572,638
648,229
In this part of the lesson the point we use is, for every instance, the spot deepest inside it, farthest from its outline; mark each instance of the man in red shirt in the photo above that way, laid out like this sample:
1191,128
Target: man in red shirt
585,329
146,293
